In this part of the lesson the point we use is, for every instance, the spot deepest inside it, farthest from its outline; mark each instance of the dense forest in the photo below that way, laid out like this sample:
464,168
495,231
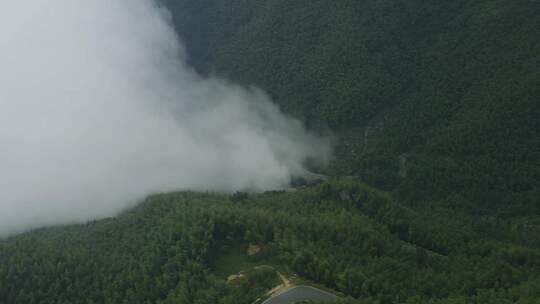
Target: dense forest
433,99
353,239
433,193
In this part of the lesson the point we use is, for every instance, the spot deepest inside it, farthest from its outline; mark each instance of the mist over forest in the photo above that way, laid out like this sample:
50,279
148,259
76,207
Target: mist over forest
268,151
100,109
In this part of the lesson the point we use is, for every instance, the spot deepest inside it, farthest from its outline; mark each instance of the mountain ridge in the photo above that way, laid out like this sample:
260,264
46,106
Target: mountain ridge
454,85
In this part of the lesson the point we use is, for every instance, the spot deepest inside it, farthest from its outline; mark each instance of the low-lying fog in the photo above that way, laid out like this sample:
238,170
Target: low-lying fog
98,109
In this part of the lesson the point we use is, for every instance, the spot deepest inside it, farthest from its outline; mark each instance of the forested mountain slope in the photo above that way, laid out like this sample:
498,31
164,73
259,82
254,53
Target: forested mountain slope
435,107
357,241
432,98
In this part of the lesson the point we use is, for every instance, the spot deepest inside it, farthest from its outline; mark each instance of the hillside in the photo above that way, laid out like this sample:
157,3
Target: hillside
180,248
429,98
433,195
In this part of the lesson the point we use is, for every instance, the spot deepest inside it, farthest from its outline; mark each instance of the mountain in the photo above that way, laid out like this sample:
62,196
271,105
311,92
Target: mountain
354,240
432,99
433,195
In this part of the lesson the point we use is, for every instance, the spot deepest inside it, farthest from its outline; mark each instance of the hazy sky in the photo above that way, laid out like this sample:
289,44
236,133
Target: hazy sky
99,109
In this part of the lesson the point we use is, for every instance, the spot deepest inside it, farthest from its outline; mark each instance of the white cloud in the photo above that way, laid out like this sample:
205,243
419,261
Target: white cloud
98,109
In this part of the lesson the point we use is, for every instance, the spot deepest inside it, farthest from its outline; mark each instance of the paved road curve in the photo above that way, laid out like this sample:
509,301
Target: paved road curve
301,293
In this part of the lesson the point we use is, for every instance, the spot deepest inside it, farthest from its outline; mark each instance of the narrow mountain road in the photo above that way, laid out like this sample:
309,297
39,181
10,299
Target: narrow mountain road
284,287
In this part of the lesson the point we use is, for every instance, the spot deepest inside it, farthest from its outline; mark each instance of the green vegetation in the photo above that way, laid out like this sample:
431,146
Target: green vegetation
433,99
232,260
434,104
342,234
